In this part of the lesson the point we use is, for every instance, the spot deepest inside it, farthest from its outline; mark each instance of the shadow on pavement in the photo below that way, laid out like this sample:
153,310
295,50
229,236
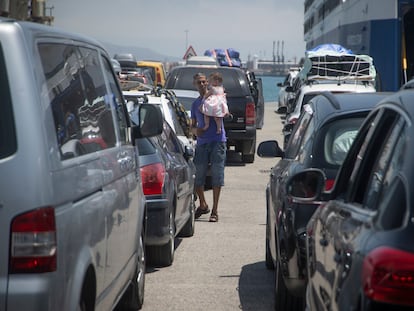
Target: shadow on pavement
256,285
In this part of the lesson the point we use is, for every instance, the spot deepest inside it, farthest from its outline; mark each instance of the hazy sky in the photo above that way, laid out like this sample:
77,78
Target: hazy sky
169,26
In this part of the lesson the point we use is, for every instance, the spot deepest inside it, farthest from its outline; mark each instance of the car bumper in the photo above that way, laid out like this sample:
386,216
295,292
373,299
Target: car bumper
158,222
249,133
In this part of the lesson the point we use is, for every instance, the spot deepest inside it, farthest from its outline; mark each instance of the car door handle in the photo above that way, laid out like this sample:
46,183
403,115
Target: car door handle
338,257
323,242
126,163
345,213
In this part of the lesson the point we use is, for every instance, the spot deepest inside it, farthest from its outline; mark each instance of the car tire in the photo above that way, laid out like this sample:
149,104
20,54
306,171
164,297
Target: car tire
133,298
269,260
82,305
163,255
188,229
284,300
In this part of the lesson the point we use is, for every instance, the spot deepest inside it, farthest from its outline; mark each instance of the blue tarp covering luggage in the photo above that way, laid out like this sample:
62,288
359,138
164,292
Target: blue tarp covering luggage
329,48
226,57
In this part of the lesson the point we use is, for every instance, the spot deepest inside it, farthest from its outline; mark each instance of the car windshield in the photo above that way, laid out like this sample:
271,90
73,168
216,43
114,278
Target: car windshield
231,80
149,70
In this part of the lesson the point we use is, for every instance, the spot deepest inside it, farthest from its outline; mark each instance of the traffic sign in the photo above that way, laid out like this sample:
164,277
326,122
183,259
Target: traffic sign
190,52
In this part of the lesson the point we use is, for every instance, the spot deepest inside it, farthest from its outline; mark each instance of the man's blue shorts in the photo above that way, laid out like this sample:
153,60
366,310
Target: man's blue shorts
215,154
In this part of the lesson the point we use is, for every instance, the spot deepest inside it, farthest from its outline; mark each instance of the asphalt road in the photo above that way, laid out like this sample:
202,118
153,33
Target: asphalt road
222,267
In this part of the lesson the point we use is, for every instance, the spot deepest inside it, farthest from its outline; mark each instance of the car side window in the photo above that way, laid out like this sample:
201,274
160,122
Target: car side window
392,198
382,164
8,141
169,139
115,95
296,138
76,87
96,113
370,152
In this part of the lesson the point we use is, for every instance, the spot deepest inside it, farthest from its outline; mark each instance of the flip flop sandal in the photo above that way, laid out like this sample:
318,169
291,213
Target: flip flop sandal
200,211
213,218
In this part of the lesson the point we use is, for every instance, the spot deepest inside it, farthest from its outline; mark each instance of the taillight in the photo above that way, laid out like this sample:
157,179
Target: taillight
329,184
33,242
152,178
250,114
158,77
388,276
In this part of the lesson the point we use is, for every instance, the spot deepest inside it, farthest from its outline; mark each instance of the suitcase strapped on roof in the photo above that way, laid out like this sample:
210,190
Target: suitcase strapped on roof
226,57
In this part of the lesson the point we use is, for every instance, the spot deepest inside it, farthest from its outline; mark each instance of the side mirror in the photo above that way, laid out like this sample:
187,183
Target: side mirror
150,121
307,185
269,149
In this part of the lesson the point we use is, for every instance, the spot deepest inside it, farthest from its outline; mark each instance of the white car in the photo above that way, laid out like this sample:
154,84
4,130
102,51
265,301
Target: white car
186,97
283,95
308,91
134,97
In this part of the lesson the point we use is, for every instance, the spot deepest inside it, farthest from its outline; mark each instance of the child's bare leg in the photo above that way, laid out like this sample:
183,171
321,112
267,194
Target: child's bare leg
206,122
219,122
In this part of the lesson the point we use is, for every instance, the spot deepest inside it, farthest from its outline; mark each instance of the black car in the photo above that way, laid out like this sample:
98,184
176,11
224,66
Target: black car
360,240
256,88
167,174
241,126
320,138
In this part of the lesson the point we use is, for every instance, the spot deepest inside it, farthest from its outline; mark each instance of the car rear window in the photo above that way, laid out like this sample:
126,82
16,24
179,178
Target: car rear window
235,84
8,142
338,138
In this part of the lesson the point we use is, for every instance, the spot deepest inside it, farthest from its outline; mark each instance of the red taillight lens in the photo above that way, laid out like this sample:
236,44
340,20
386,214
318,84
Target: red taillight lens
388,276
329,184
158,77
250,114
33,242
152,178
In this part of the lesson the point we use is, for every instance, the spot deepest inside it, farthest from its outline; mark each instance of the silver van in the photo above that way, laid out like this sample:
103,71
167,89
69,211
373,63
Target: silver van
71,201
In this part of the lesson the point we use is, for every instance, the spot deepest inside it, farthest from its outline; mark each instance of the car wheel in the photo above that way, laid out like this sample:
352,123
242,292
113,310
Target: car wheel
163,255
188,229
284,300
269,260
133,298
82,305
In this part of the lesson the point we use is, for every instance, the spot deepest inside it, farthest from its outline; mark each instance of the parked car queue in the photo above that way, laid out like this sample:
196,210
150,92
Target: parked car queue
338,229
88,194
359,253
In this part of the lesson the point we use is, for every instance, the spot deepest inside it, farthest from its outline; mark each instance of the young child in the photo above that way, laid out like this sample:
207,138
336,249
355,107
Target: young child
214,102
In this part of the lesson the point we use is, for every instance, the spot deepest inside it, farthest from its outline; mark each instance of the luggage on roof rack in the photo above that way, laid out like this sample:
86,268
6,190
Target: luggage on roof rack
332,61
226,57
